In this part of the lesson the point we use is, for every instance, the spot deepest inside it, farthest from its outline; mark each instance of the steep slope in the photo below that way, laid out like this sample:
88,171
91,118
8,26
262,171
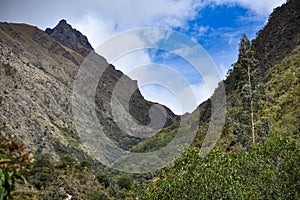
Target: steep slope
280,36
283,91
37,75
35,100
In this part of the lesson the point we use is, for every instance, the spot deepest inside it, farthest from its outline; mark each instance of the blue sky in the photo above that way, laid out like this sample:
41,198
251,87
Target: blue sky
217,25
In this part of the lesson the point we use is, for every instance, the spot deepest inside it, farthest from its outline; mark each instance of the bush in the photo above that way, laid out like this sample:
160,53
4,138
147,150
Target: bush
53,195
66,161
103,179
14,160
125,181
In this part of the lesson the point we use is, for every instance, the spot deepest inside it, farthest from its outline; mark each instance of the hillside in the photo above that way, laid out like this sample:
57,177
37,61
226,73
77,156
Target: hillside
37,75
269,170
280,35
262,92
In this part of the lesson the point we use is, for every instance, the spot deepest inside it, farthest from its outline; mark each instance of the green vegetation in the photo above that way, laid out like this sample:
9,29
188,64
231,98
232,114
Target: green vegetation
13,161
157,141
239,168
125,182
69,178
245,121
270,171
283,107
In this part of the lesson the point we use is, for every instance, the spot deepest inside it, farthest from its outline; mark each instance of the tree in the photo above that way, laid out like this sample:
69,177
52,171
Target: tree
245,64
268,171
250,86
66,161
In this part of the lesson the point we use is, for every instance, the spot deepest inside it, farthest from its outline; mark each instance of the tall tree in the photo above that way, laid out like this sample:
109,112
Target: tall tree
243,67
246,119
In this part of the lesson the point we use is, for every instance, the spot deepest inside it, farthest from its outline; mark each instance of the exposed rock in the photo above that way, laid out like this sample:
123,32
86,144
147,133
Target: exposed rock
70,37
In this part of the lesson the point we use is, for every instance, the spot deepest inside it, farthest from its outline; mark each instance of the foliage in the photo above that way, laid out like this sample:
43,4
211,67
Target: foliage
157,141
280,35
266,172
42,172
245,121
52,194
283,85
96,195
84,165
66,161
259,96
14,159
103,179
125,181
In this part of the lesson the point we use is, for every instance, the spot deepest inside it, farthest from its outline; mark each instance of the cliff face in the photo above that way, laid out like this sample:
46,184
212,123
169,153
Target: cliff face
37,73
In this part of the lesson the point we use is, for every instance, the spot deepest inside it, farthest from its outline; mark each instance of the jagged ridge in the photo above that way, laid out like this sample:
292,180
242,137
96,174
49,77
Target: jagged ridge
70,37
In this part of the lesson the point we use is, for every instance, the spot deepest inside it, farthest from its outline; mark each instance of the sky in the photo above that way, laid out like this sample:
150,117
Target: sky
216,25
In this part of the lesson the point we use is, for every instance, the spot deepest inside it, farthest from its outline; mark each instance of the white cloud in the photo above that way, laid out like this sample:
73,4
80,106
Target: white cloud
202,62
136,13
127,53
96,30
107,18
261,7
132,60
181,100
161,83
163,96
120,45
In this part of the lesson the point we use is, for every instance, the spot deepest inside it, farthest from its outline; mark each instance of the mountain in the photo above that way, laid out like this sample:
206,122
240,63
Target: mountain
37,73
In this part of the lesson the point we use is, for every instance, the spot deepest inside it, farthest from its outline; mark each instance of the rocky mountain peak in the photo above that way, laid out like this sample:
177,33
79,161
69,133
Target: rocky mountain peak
70,37
62,26
63,22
